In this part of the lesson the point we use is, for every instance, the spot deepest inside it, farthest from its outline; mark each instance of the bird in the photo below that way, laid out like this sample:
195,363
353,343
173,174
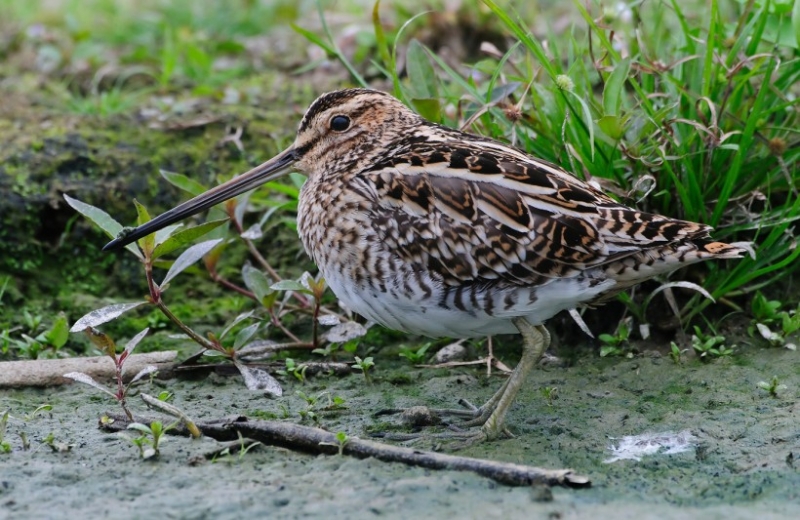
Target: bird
433,231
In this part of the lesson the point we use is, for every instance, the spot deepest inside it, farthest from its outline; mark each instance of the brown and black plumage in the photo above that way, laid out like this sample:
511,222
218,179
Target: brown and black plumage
434,231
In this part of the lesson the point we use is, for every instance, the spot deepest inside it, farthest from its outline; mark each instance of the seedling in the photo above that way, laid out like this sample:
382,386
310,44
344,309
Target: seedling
773,387
57,446
107,345
151,437
550,393
245,445
707,347
364,365
417,356
39,409
341,441
311,403
298,371
613,344
5,446
676,353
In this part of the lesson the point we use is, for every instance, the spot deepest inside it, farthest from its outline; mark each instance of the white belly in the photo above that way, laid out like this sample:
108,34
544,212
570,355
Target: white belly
424,315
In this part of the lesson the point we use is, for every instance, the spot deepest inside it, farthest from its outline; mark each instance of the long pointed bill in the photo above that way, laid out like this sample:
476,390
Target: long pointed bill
272,169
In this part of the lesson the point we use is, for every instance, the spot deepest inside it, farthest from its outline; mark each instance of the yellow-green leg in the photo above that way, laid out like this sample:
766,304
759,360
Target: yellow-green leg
491,416
535,340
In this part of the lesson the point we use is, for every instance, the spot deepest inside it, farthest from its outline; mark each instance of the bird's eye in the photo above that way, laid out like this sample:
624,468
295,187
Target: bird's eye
340,123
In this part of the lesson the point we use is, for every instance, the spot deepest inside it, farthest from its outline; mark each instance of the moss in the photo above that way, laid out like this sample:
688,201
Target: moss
52,256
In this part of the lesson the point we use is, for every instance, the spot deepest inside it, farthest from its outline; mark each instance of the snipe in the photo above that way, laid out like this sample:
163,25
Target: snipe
430,230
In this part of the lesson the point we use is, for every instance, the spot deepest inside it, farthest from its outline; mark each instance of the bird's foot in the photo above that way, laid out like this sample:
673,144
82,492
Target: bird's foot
473,427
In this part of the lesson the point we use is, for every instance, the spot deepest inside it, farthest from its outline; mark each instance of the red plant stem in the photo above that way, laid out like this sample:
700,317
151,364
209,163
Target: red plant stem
155,292
187,330
277,322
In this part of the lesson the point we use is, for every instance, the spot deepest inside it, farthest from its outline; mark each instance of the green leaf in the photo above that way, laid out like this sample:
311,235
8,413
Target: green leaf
100,316
147,242
313,38
185,236
429,108
183,182
614,90
796,20
256,281
587,114
101,219
188,257
244,335
58,334
421,73
608,351
380,36
612,126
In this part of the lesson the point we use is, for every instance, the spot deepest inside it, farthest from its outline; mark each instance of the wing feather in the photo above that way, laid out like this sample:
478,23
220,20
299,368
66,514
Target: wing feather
481,211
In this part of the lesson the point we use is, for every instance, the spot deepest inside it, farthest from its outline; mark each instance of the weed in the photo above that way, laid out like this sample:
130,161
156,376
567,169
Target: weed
676,353
34,343
149,442
613,344
107,345
364,365
297,370
341,441
550,393
245,445
771,323
773,387
709,346
5,446
413,356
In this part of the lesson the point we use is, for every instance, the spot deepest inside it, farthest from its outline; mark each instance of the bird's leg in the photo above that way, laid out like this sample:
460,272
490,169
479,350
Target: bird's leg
535,340
490,417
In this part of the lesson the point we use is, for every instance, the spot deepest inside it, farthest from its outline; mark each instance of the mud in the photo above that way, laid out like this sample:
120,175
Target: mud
742,466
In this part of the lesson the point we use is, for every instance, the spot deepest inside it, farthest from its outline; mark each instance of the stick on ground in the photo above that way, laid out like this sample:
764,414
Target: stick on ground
49,372
314,440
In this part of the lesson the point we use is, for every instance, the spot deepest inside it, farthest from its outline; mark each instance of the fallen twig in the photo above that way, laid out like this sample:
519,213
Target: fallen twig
314,440
48,372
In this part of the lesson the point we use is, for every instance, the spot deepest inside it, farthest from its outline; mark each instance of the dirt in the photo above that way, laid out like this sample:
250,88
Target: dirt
742,463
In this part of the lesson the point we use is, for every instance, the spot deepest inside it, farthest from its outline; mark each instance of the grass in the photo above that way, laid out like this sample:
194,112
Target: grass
687,109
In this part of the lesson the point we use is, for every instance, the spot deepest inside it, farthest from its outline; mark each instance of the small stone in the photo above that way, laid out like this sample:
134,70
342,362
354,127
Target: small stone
452,352
541,493
417,416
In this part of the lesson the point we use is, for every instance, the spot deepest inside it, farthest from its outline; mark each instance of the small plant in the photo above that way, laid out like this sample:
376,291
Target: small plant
151,436
298,371
39,409
364,365
5,446
676,353
34,343
311,404
165,396
773,387
707,347
245,445
55,445
772,324
341,441
613,344
550,393
413,356
107,345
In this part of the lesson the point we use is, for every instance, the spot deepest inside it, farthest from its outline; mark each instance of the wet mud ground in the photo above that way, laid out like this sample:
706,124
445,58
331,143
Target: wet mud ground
743,465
